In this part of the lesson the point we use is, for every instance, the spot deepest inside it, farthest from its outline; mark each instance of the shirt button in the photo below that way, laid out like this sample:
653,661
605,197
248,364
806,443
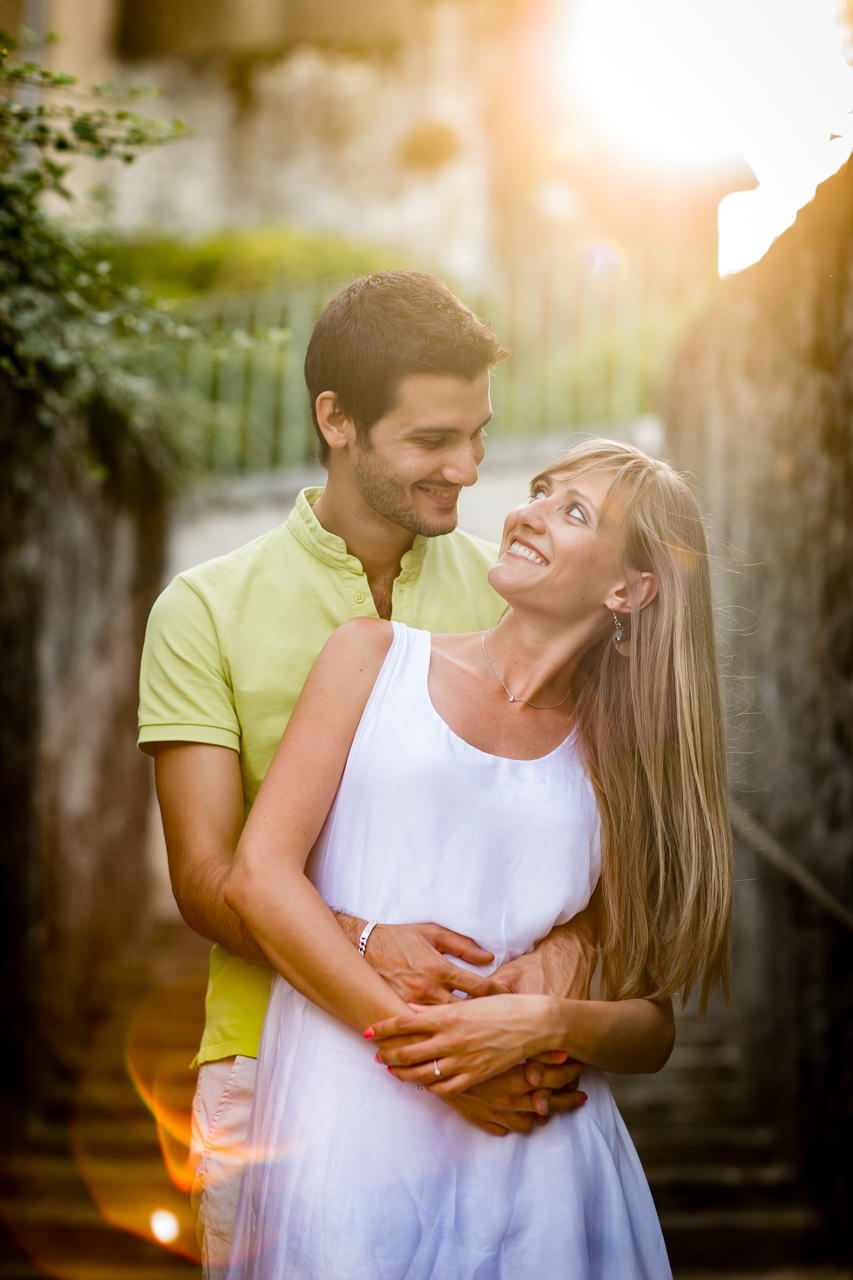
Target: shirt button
360,597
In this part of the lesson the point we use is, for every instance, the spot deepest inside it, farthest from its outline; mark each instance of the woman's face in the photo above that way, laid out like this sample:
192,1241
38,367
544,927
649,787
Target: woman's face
562,550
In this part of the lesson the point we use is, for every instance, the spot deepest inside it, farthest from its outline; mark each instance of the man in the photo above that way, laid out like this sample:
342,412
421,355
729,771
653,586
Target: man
398,376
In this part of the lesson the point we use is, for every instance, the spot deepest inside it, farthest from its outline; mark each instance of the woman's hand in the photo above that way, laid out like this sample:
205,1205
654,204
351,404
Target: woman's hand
469,1041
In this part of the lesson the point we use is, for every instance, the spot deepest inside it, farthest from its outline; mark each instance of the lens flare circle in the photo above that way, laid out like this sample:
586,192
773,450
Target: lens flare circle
164,1226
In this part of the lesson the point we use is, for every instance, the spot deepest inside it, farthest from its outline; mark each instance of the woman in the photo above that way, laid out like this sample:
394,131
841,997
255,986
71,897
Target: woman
492,782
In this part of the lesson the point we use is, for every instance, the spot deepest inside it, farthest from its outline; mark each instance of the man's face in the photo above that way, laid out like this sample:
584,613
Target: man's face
418,456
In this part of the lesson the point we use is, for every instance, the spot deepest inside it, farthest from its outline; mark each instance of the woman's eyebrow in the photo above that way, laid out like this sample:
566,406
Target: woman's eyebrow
585,501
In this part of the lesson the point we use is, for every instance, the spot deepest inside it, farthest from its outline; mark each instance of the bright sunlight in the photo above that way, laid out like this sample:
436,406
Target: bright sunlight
694,84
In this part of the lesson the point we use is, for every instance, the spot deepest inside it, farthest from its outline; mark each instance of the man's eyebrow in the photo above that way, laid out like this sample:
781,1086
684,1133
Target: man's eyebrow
416,430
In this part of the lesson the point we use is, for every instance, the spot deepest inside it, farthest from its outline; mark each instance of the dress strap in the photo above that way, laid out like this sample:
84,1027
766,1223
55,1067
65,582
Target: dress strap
401,685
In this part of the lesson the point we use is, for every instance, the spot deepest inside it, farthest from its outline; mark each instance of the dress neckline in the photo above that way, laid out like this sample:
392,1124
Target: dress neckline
488,755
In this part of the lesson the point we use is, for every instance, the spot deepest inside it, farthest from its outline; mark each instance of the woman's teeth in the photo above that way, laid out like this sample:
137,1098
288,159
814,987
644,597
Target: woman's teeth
518,549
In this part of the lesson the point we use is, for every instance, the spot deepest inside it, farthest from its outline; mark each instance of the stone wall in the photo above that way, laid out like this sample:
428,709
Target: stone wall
760,408
79,566
285,124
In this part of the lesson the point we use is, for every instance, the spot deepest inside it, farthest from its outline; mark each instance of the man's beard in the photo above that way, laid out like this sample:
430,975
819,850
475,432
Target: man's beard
389,498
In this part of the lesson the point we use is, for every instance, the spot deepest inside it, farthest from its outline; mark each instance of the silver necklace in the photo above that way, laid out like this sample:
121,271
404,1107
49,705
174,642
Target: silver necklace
511,697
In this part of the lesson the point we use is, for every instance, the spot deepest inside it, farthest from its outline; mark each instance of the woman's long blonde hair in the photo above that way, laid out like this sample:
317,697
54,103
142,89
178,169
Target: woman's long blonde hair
651,726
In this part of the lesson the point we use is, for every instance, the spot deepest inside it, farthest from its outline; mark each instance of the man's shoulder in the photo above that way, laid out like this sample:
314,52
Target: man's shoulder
236,566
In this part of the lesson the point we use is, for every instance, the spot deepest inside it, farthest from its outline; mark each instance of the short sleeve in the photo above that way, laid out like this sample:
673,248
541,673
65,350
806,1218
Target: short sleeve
185,692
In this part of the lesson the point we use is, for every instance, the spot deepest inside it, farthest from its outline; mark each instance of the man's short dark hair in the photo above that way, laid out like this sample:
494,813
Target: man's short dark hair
380,329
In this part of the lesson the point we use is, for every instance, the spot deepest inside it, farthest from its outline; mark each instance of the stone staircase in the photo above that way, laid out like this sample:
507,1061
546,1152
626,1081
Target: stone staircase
718,1163
79,1202
86,1196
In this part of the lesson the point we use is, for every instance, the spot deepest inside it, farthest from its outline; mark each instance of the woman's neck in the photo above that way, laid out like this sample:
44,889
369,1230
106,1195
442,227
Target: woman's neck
534,663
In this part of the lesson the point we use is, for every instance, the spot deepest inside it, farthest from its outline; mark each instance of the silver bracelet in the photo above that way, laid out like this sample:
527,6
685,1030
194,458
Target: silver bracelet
365,934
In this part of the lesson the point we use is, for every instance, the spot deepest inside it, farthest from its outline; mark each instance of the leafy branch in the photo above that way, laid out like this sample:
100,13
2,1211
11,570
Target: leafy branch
76,344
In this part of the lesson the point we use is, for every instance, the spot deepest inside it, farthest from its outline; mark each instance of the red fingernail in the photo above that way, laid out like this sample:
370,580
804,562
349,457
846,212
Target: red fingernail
368,1035
388,1069
584,1097
376,1057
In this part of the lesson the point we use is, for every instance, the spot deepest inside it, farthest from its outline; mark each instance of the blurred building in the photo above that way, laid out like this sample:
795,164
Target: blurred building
442,127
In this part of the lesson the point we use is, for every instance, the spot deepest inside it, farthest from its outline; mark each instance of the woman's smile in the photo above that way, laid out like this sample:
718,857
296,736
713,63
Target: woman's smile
518,548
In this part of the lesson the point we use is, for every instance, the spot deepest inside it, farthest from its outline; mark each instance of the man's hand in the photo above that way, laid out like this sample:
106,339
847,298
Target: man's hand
518,1099
560,965
412,958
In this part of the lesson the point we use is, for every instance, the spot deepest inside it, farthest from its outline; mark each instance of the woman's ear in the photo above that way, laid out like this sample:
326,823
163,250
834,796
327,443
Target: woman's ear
645,590
335,426
638,590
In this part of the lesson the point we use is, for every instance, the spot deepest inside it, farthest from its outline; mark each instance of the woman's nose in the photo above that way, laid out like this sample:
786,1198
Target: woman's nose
534,512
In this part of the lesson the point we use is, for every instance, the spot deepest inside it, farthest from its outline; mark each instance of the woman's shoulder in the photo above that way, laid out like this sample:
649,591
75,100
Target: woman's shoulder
348,664
361,639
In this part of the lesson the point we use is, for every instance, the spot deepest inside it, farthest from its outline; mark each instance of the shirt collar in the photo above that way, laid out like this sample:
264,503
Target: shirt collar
330,548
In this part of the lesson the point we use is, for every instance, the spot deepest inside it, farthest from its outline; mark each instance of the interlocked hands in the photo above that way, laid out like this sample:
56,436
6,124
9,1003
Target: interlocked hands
413,960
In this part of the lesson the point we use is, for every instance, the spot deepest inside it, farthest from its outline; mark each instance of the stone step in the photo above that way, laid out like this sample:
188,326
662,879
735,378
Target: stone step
784,1271
70,1227
742,1237
136,1140
77,1247
721,1186
744,1143
92,1269
687,1157
47,1175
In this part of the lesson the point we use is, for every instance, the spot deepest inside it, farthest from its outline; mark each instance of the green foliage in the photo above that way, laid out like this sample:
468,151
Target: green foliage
241,261
72,336
252,297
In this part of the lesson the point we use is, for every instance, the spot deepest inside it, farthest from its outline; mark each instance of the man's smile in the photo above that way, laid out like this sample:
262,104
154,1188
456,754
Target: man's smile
441,495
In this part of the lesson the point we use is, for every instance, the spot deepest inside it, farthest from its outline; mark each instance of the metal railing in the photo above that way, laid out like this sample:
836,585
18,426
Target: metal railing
589,345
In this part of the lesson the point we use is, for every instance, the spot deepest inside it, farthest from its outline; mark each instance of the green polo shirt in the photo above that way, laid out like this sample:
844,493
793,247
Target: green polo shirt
227,650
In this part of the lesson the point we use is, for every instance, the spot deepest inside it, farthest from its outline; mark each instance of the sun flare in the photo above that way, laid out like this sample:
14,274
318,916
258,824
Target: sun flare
695,86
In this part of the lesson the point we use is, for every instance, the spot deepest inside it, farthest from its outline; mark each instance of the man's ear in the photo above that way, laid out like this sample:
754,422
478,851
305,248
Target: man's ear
336,428
638,590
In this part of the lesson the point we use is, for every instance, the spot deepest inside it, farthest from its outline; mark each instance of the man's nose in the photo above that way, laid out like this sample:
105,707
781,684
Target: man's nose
462,467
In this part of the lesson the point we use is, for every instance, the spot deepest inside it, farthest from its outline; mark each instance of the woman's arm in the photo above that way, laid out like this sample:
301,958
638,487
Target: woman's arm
476,1039
267,885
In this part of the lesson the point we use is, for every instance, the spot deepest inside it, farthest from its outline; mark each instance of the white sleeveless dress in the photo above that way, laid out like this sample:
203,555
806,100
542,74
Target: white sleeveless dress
354,1175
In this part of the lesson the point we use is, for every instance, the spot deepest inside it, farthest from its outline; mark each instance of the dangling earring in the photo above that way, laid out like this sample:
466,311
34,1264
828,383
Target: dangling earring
621,630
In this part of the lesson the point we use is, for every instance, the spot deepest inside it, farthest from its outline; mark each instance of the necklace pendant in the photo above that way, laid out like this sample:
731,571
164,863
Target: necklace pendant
510,697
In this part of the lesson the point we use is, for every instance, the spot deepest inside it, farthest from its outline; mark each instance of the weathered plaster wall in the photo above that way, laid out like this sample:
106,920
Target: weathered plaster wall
761,409
285,123
79,566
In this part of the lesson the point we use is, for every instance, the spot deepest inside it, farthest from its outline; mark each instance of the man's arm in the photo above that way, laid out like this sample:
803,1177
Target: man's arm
200,792
562,964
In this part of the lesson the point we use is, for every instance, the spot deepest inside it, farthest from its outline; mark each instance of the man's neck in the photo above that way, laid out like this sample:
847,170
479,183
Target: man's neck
378,544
